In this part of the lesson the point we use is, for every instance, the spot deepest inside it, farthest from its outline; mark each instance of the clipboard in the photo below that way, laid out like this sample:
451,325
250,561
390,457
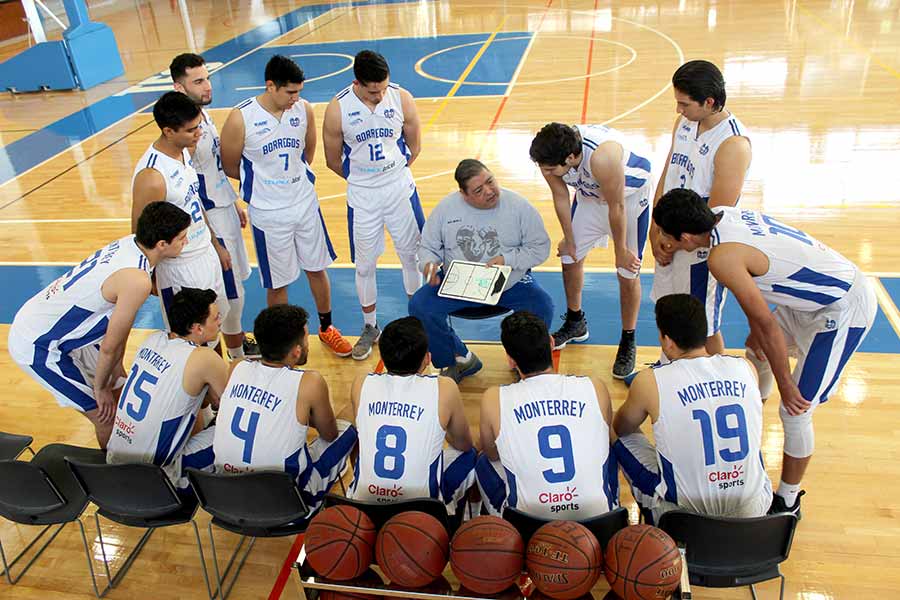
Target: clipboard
474,282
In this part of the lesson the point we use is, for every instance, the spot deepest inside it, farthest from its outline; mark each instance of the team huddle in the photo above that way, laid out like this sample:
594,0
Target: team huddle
180,405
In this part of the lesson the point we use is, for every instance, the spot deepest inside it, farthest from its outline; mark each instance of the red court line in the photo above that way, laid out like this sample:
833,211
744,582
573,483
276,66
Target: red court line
286,568
590,58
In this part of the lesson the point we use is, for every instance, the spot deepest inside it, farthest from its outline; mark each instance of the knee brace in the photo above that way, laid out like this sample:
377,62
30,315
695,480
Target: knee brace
231,325
799,437
412,279
366,287
764,370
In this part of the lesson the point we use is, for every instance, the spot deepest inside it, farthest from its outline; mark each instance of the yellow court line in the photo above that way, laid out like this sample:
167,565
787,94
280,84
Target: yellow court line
465,73
892,71
887,304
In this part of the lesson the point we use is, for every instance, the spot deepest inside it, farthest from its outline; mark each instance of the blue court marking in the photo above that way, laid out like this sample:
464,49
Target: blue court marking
601,303
35,148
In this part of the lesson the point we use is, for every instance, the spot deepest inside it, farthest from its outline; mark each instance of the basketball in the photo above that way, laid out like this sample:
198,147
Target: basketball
339,543
487,554
564,560
412,549
642,563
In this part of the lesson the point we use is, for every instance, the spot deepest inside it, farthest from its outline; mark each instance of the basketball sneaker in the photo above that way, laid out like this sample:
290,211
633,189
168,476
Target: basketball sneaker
779,506
571,331
625,357
332,338
458,370
251,348
363,346
630,377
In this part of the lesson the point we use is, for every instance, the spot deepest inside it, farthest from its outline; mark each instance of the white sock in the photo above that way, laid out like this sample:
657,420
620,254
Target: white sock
369,318
207,415
462,359
236,353
788,491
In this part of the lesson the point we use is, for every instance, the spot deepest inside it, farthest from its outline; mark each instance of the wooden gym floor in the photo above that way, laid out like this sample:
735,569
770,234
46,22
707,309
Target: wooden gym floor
816,83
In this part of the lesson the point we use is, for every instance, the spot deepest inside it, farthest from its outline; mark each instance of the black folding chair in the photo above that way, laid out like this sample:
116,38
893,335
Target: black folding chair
254,505
42,492
12,445
602,526
135,495
723,553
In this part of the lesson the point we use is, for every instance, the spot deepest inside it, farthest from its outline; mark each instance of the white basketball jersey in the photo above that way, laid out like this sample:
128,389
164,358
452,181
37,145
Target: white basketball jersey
71,312
214,188
257,428
708,434
554,446
375,152
182,188
155,415
637,168
274,173
692,165
804,274
401,440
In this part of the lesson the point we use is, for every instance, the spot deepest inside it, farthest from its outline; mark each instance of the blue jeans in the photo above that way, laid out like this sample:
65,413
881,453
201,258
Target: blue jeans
433,311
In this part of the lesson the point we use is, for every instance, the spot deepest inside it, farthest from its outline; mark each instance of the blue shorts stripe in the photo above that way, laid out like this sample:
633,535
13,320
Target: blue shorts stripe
700,281
168,295
491,482
611,480
418,213
718,302
811,277
641,477
668,475
167,432
337,451
204,195
643,225
855,336
512,495
456,473
574,207
634,182
262,255
228,279
434,473
182,440
69,322
815,364
331,251
292,463
350,233
202,459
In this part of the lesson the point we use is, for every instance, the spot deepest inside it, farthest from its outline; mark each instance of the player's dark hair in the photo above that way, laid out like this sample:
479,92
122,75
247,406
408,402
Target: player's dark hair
700,79
682,318
527,341
466,170
189,306
174,110
281,71
682,210
370,67
181,63
160,221
554,143
278,329
403,344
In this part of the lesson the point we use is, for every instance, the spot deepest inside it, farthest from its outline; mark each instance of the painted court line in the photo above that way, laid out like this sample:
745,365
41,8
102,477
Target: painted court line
886,303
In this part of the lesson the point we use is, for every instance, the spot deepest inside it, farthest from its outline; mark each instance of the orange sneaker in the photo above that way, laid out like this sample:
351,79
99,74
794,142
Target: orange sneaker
332,338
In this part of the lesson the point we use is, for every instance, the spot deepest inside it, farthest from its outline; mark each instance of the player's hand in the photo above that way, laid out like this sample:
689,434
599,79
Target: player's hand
754,346
628,260
106,404
431,274
242,215
662,251
496,261
566,248
224,257
793,400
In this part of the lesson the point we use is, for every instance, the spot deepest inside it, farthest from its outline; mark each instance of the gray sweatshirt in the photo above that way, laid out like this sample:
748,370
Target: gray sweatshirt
456,230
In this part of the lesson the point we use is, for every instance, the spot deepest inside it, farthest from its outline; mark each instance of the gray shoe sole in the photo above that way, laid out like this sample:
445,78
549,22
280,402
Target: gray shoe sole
368,352
577,339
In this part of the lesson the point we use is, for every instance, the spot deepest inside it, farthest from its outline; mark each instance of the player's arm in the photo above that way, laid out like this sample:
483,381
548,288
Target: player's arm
310,143
730,168
662,256
730,264
607,169
221,251
149,186
314,391
458,434
231,144
490,422
635,411
333,138
562,205
355,395
208,368
412,129
605,405
128,289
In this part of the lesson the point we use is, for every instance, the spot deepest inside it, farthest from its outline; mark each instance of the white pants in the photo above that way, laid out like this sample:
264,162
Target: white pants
688,273
326,462
203,272
227,226
69,376
394,206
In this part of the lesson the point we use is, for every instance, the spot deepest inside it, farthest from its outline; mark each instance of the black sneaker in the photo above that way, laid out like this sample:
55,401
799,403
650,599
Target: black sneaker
625,358
251,348
571,331
779,506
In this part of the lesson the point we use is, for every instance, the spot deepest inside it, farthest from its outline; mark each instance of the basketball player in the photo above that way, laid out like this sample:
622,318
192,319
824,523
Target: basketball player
403,417
371,135
824,306
164,172
612,199
268,407
70,337
268,143
710,154
545,440
707,421
191,77
172,375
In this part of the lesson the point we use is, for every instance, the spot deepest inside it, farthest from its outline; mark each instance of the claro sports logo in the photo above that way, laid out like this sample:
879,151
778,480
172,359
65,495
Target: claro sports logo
384,494
727,479
560,501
